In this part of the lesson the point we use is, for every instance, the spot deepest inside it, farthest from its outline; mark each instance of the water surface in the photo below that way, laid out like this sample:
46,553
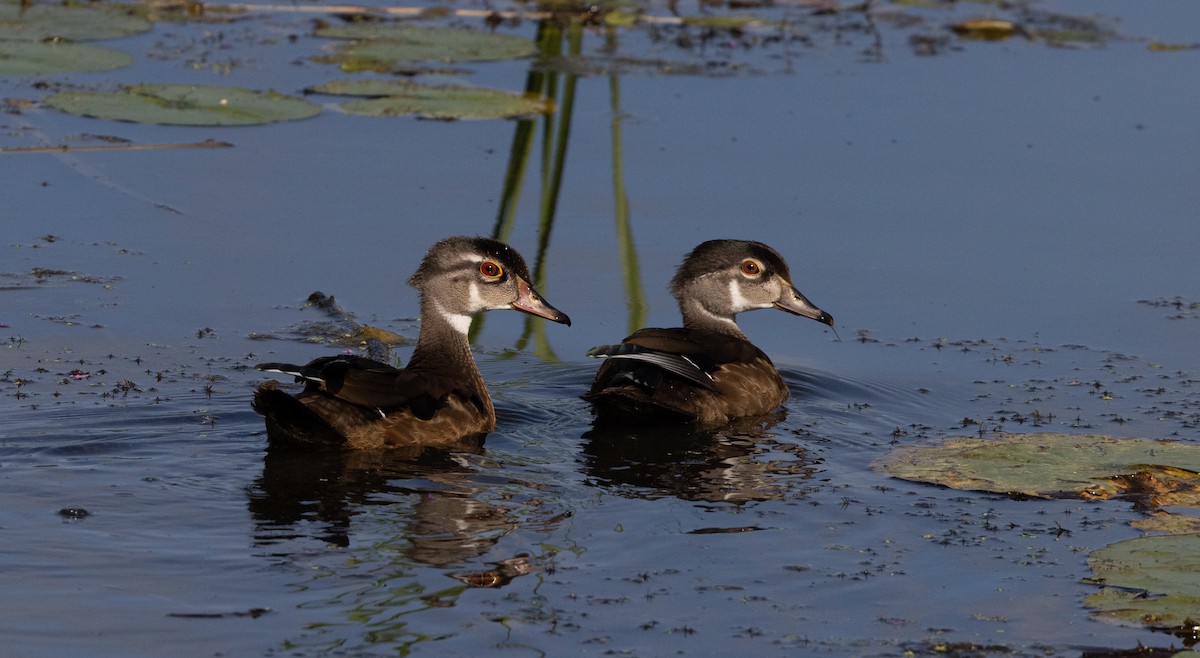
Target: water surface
986,224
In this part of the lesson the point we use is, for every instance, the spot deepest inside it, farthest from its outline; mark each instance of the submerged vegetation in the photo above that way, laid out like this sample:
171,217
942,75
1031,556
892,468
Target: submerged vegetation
399,39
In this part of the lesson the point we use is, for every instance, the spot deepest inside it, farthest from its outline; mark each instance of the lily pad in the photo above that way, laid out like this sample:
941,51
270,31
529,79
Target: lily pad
726,22
44,58
38,22
1052,465
1152,581
185,105
378,47
401,98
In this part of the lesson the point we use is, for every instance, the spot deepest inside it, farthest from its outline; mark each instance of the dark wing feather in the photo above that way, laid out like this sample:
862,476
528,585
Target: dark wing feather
713,346
679,365
674,351
290,423
673,375
368,383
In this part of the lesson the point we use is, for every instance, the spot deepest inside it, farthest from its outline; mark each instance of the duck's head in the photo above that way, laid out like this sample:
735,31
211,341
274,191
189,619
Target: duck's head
462,276
721,278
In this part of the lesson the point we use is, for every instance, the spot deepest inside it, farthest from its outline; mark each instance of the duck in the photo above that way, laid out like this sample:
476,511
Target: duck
706,373
439,399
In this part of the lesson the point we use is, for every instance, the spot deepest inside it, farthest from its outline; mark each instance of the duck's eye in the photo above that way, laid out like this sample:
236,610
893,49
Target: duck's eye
751,267
490,269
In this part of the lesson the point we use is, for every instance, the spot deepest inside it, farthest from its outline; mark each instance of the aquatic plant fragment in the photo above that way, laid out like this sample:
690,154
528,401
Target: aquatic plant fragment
401,98
1053,465
382,47
986,29
47,57
185,105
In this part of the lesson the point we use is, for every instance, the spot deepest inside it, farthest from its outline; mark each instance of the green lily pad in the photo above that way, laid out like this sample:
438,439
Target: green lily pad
185,105
401,98
1152,581
377,47
39,22
44,58
1052,465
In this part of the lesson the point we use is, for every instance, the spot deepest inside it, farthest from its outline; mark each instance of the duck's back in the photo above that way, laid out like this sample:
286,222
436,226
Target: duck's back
682,375
358,403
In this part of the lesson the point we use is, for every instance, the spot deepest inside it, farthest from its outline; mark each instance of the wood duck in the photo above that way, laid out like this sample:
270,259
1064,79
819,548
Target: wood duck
440,399
706,372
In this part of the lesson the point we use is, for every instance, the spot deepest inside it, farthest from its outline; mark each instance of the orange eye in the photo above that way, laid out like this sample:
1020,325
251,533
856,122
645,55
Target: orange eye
491,269
751,267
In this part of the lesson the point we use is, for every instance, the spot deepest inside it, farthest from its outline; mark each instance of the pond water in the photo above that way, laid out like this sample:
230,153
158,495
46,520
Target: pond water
1004,231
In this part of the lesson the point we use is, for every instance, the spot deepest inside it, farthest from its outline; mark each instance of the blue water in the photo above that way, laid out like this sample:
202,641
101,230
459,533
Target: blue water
982,223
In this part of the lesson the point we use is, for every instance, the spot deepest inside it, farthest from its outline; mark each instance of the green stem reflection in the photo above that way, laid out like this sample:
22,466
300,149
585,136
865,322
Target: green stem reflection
553,38
629,260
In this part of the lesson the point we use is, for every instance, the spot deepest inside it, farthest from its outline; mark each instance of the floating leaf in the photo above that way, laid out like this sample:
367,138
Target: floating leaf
401,97
1162,47
380,47
185,105
1163,570
38,22
727,22
1163,522
44,58
621,18
1058,465
988,29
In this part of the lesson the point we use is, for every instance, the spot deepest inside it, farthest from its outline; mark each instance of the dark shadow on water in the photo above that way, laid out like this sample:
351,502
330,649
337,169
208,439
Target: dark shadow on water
737,464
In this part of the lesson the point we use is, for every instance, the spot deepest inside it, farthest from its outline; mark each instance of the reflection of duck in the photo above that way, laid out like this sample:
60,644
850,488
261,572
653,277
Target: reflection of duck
297,495
707,371
447,525
716,466
440,398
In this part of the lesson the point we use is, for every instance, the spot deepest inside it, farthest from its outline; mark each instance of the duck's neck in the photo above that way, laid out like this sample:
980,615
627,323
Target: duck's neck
698,317
442,344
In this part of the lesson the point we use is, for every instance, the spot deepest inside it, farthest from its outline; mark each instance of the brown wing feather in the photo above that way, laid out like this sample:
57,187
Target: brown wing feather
359,403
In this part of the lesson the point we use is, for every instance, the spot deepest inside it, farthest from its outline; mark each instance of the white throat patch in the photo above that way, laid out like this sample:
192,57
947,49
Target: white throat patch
461,322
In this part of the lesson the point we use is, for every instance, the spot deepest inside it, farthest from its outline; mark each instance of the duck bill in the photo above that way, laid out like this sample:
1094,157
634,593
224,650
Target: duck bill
793,302
529,301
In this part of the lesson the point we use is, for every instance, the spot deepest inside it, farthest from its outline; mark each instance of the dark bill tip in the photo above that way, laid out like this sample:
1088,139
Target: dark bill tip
529,301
